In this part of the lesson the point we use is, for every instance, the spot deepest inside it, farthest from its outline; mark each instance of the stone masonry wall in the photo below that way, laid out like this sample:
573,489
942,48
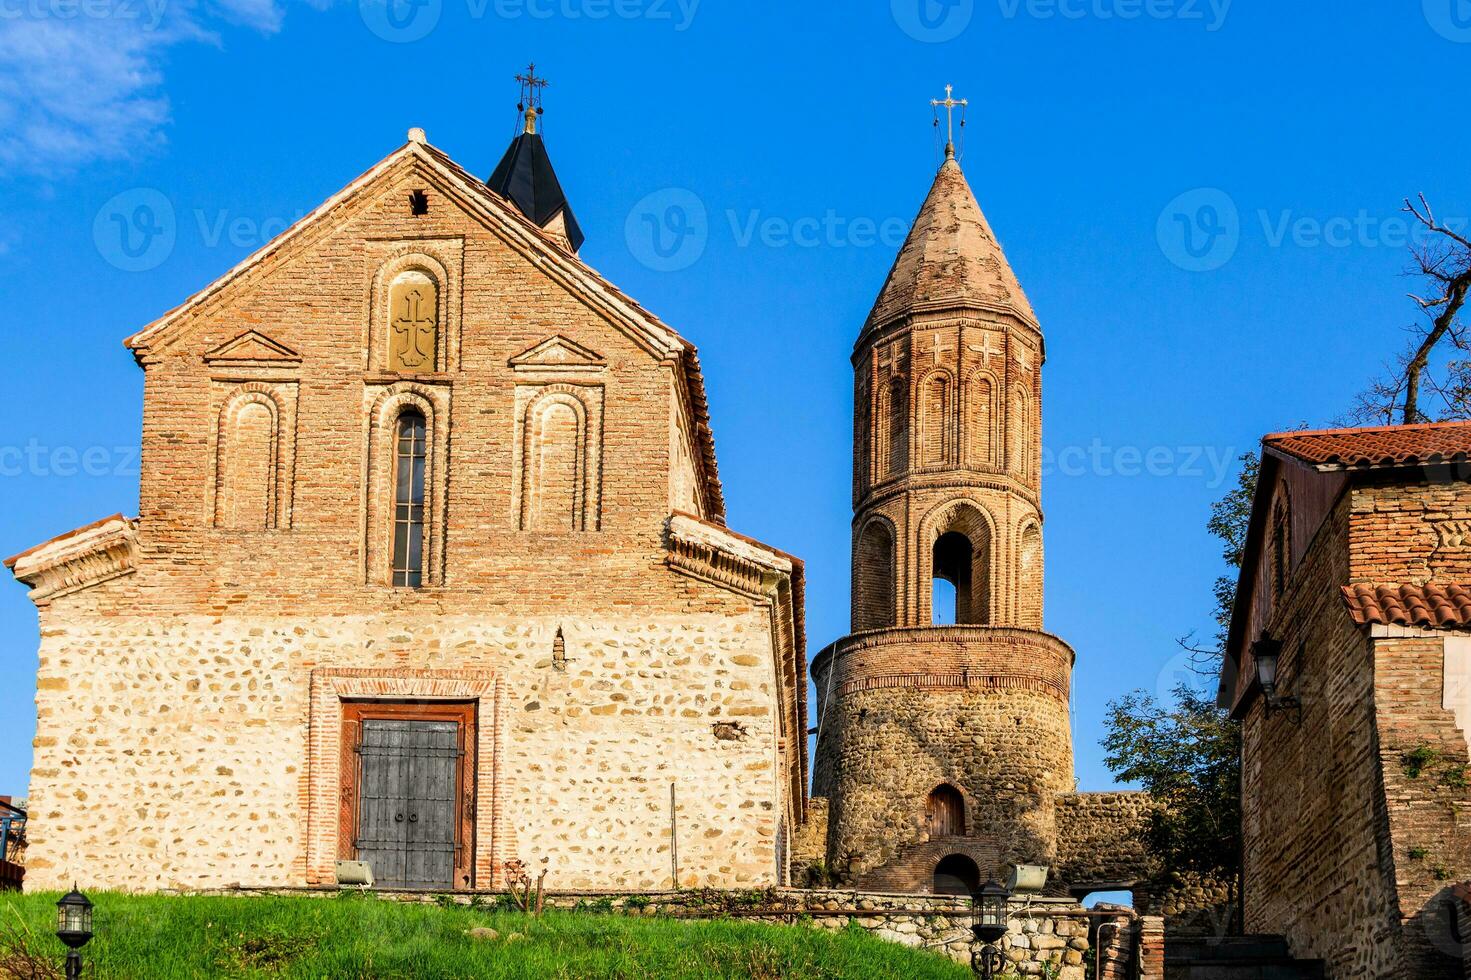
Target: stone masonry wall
1046,938
883,751
1100,840
175,753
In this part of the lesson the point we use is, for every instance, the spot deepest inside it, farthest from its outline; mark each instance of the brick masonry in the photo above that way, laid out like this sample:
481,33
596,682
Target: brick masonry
579,587
947,485
1354,806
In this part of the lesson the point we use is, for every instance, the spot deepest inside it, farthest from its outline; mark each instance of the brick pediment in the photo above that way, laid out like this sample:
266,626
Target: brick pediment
253,349
559,354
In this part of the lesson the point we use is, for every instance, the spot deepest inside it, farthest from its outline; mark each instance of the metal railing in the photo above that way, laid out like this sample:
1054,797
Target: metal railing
12,833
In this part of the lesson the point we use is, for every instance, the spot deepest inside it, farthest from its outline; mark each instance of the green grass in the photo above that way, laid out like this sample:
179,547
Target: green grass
354,936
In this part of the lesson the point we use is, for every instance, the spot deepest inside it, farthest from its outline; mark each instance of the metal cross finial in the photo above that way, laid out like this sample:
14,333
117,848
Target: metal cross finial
949,102
530,103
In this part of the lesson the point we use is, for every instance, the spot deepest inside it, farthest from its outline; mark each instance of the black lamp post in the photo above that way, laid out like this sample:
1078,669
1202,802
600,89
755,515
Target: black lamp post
74,927
989,916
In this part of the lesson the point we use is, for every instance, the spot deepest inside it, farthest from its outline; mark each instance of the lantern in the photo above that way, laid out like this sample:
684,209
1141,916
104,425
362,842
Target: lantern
989,913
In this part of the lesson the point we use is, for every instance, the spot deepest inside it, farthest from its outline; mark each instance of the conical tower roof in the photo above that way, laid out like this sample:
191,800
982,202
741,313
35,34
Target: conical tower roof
950,259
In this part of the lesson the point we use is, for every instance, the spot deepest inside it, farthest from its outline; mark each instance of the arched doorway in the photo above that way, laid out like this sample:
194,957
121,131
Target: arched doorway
945,812
956,874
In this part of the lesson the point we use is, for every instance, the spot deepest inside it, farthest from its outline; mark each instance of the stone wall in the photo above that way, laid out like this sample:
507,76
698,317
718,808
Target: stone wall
1100,845
1046,937
883,751
181,753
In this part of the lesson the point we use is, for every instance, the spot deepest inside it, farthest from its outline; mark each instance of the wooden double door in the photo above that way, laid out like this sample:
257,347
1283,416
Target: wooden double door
408,809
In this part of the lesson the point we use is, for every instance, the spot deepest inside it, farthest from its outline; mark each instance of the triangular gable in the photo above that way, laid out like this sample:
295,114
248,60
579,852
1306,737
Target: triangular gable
559,354
501,218
252,348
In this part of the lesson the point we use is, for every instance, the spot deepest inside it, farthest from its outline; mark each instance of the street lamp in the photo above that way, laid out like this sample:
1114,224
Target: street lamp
1267,653
989,917
74,927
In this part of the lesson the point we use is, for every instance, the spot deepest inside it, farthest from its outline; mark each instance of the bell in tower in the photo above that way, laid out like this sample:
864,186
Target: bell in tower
948,684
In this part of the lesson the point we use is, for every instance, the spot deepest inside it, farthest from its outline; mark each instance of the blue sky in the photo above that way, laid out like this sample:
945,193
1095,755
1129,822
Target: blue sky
796,139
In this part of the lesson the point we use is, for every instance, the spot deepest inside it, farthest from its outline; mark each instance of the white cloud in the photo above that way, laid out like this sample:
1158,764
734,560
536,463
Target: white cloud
82,80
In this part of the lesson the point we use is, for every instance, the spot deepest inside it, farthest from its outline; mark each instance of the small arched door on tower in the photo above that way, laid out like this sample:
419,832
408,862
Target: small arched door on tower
945,813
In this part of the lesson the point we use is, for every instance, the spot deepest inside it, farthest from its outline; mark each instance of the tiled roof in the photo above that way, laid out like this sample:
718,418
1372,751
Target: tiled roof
1435,606
1393,445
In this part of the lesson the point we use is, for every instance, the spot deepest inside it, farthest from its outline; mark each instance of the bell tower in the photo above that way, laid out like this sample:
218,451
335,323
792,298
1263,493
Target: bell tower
947,688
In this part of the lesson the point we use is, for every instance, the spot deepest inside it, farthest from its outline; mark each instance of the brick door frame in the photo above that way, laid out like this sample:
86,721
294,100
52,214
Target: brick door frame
325,788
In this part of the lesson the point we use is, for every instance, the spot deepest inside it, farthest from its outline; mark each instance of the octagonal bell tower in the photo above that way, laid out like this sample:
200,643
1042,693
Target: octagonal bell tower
943,725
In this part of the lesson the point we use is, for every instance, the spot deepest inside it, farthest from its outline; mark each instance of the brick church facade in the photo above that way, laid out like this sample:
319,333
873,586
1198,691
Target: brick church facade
430,569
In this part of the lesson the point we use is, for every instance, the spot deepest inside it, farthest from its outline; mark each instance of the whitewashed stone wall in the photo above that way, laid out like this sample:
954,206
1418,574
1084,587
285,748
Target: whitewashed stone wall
174,753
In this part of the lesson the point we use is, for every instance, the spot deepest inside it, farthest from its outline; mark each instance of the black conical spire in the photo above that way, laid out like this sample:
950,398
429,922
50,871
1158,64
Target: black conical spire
525,176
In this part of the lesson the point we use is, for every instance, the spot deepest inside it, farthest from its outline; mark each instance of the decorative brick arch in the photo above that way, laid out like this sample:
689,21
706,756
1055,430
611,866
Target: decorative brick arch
277,446
1021,434
544,445
935,399
1029,576
892,429
875,574
981,420
434,261
384,405
980,603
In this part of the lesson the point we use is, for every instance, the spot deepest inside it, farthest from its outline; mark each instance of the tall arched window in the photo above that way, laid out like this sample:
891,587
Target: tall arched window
1029,577
945,812
411,456
1281,544
960,567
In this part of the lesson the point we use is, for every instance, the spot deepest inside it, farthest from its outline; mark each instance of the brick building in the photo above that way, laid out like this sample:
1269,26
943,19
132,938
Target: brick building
429,569
1357,585
944,750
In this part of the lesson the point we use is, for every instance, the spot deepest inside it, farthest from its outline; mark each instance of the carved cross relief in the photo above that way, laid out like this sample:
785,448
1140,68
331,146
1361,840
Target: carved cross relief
414,308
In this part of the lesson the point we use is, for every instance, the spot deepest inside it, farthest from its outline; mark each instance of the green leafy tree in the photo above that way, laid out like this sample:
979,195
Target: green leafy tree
1187,755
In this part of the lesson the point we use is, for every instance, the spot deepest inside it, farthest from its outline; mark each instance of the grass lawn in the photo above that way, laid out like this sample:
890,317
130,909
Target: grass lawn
162,938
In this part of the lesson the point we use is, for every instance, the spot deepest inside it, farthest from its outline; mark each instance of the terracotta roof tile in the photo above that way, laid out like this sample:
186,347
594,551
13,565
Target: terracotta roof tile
1435,606
1393,445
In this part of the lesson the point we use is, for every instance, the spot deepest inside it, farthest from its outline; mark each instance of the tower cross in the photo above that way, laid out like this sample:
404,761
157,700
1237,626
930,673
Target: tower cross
530,103
950,102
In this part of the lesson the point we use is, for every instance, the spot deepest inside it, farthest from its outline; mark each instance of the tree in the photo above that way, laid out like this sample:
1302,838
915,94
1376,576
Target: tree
1187,753
1437,358
1187,756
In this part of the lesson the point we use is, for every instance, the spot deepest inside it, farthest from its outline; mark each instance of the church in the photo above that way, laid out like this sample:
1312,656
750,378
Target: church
431,571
